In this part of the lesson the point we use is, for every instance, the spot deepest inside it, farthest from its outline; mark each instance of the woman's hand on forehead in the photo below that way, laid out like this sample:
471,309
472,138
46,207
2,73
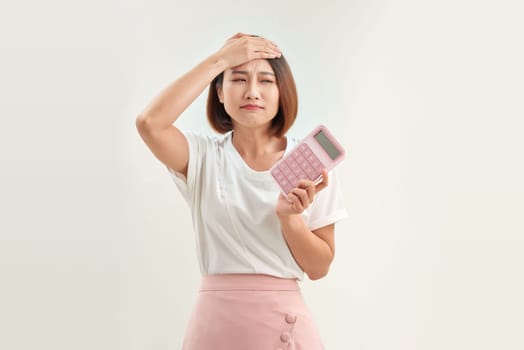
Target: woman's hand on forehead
242,48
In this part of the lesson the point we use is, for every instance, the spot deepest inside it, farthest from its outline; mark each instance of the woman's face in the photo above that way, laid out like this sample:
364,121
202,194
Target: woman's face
250,93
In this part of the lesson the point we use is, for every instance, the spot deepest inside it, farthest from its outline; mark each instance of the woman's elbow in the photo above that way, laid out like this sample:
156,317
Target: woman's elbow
320,268
317,274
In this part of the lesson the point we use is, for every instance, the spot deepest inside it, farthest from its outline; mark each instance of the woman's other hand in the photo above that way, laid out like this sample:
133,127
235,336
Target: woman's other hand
301,197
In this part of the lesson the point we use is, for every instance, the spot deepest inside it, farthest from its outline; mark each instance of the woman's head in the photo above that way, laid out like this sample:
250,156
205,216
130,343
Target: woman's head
268,84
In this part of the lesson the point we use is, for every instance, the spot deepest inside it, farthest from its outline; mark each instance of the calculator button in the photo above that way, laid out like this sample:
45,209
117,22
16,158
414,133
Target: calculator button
302,175
288,189
299,172
312,173
293,180
316,164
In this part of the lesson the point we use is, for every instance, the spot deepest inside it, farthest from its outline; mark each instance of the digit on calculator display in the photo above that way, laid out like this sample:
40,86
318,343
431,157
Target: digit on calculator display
330,149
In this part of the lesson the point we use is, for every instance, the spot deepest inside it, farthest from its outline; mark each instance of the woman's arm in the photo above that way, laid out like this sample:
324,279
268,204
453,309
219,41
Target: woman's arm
313,250
169,104
155,122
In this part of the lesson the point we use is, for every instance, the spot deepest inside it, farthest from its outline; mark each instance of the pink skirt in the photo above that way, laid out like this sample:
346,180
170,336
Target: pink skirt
250,312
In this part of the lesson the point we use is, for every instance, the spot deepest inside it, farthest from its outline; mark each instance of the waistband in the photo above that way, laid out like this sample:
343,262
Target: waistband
260,282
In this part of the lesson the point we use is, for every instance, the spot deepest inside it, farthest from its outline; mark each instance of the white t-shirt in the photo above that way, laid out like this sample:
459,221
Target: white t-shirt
233,210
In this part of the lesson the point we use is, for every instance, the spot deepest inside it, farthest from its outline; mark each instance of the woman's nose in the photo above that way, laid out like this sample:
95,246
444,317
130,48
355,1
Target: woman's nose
252,91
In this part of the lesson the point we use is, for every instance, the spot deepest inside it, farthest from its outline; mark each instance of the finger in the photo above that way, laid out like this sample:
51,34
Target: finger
265,43
325,181
296,204
264,47
236,36
273,46
302,195
310,188
262,54
267,55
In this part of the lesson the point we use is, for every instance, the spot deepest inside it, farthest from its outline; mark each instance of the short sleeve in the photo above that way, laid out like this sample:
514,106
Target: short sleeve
197,152
328,206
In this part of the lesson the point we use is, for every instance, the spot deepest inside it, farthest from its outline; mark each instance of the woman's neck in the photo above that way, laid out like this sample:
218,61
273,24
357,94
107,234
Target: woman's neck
257,143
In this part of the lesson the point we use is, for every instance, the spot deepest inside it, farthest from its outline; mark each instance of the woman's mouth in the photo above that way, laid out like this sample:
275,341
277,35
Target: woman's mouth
251,107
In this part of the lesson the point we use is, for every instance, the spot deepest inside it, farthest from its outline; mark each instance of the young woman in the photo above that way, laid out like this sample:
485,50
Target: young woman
253,244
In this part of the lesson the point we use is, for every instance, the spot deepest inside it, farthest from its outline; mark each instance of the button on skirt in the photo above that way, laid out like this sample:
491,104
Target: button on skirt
250,312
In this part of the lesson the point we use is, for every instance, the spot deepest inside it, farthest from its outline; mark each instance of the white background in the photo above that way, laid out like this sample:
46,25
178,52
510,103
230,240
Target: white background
96,243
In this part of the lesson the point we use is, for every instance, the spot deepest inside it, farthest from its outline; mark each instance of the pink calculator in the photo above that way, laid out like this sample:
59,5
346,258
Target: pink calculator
306,160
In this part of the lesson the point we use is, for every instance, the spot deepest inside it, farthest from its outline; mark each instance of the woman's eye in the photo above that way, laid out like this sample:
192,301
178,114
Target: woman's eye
243,80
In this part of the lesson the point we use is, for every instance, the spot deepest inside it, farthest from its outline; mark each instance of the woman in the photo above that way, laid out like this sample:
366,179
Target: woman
253,244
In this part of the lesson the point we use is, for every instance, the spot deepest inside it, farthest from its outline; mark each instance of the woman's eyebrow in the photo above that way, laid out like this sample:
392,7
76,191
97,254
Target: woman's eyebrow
245,72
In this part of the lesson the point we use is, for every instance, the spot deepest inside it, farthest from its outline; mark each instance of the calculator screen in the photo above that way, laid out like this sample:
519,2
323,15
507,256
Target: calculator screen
330,149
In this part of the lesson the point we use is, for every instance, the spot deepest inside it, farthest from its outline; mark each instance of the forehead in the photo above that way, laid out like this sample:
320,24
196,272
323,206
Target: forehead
252,67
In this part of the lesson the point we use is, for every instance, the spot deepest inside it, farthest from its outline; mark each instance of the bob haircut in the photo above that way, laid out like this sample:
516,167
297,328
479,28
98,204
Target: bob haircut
287,105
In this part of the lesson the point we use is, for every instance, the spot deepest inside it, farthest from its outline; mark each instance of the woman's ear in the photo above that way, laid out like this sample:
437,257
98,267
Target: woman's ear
220,94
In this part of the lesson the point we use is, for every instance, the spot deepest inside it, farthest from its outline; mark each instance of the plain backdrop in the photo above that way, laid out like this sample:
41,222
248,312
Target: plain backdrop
96,244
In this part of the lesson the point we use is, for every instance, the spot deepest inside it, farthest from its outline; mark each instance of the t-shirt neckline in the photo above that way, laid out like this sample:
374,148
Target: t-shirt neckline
253,174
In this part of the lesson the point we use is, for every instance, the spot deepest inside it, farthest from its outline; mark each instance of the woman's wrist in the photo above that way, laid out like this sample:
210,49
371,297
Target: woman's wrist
288,218
218,61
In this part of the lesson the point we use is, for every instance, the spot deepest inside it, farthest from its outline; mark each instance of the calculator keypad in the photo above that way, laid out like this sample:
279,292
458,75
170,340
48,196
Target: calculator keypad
302,163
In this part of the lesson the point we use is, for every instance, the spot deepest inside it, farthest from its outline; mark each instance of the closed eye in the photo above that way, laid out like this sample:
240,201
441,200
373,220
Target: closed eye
243,80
